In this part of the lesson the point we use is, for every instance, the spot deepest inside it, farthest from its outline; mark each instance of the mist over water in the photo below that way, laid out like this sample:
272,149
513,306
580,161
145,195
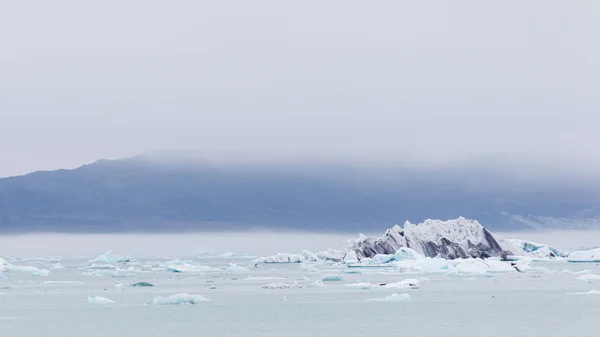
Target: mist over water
258,243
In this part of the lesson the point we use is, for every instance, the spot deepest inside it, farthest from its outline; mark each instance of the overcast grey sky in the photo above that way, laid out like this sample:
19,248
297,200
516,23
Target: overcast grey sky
386,82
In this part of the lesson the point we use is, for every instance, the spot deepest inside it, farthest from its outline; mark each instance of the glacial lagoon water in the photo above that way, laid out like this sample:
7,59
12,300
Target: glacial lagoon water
547,299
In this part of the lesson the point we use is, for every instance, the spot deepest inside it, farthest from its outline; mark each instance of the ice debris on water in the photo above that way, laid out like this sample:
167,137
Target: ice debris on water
591,292
392,298
281,286
589,278
63,282
592,255
316,284
334,278
108,257
306,256
58,265
35,271
404,284
264,278
142,284
99,300
360,285
235,269
179,299
230,255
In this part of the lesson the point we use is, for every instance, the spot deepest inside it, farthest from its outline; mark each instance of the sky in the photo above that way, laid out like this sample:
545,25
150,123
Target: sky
424,83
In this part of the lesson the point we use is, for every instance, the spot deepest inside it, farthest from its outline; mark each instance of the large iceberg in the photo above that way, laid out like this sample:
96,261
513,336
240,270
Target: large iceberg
460,238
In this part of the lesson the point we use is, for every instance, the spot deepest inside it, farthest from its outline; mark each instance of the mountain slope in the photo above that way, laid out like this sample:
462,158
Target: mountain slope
144,194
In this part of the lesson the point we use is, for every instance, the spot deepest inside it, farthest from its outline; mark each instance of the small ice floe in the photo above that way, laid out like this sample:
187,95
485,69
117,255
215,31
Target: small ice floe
63,282
99,300
281,286
360,285
235,269
28,269
335,278
264,278
592,255
392,298
142,284
590,278
179,299
316,284
108,257
591,292
404,284
58,265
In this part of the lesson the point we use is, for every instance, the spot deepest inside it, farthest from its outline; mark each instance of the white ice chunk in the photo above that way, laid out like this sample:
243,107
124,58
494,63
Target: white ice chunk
592,255
392,298
108,257
404,284
99,300
360,285
178,299
58,265
405,253
591,292
281,286
306,256
589,278
316,284
235,269
264,278
28,269
63,282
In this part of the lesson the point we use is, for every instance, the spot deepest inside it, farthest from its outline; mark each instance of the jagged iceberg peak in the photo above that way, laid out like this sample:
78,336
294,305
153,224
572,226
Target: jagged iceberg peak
451,239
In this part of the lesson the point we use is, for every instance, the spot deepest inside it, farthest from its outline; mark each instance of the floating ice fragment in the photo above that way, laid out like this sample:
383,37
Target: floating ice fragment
591,292
306,256
108,257
589,278
28,269
264,278
142,284
592,255
178,299
316,284
281,286
392,298
336,278
58,266
360,285
404,284
229,255
63,282
99,300
235,269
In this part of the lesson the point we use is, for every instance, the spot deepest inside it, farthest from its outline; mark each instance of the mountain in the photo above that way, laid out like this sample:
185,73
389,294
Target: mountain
159,194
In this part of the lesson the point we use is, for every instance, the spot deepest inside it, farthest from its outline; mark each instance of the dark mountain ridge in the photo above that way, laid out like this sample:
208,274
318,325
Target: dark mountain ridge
146,194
